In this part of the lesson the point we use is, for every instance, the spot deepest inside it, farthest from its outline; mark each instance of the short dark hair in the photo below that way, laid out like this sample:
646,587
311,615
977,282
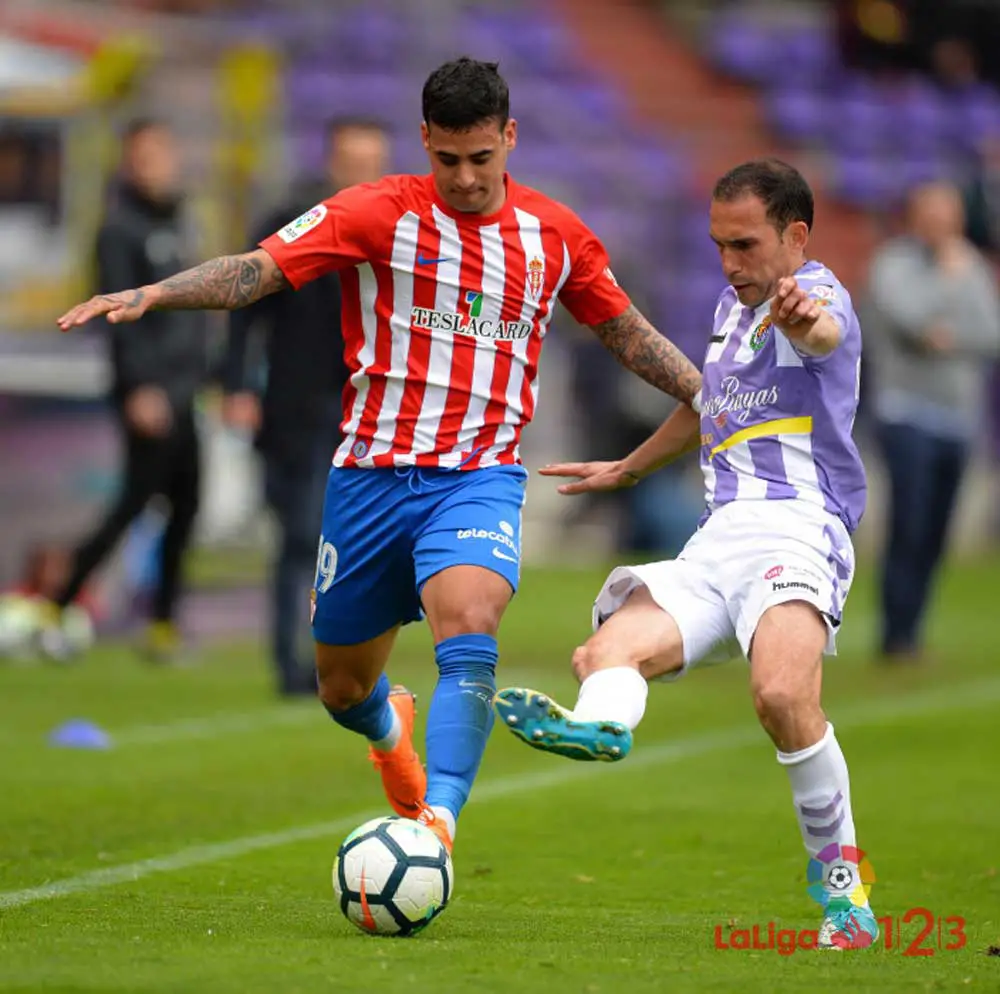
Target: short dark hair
463,93
782,189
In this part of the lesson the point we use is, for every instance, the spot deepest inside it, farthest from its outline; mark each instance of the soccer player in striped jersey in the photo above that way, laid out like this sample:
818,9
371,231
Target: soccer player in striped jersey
449,284
770,567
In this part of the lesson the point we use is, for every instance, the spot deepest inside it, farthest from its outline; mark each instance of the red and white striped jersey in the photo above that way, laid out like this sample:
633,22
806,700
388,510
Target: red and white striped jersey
444,314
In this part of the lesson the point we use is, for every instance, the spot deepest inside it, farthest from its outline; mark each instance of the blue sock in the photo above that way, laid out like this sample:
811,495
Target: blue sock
460,718
372,718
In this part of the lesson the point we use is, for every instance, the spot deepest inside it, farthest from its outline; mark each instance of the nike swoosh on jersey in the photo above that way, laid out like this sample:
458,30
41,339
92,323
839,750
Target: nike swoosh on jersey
503,555
424,261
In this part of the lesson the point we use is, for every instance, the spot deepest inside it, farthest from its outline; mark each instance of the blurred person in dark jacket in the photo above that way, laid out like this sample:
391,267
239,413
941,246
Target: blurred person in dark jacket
291,400
933,330
158,368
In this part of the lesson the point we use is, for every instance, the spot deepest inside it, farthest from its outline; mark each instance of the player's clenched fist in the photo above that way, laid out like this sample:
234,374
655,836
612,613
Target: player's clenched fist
129,305
792,309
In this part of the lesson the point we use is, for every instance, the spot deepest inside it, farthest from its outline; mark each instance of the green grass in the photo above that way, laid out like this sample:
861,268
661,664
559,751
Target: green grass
571,878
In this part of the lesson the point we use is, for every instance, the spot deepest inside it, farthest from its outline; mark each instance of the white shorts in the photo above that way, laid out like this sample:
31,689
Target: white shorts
748,556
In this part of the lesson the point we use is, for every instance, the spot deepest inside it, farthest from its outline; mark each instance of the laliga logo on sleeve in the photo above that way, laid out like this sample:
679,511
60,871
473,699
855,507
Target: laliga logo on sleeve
306,222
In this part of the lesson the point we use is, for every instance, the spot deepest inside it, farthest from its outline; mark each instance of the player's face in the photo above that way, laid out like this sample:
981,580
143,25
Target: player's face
754,254
357,155
469,166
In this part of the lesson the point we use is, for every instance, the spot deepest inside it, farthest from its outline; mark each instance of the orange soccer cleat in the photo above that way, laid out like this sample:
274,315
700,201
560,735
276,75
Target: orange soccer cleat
403,775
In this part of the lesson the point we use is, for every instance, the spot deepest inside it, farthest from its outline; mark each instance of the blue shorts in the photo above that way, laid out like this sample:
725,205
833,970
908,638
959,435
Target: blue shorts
386,532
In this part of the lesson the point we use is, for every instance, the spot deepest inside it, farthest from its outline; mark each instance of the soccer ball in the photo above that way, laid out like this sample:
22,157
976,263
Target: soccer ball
392,876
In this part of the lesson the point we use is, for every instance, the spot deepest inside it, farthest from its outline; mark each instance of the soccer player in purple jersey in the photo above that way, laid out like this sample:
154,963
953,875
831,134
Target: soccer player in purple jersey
770,567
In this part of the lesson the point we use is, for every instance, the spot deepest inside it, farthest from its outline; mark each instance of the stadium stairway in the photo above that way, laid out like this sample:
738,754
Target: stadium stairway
721,122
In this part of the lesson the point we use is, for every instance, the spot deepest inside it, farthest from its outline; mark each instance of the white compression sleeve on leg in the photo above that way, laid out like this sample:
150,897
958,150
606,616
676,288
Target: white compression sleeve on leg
615,694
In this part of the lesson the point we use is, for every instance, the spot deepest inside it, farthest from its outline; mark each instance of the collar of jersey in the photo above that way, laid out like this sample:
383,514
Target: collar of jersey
476,220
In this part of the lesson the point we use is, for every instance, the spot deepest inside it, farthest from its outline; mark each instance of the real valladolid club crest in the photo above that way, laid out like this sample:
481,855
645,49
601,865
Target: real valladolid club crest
759,336
536,277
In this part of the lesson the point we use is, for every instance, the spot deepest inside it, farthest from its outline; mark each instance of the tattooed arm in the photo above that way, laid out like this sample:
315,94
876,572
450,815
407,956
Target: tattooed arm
226,283
638,346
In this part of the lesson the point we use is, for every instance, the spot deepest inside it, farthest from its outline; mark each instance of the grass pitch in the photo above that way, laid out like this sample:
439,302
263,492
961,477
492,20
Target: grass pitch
195,854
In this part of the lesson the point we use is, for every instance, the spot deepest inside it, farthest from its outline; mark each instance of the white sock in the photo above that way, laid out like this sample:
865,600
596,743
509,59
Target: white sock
447,817
392,739
821,792
615,694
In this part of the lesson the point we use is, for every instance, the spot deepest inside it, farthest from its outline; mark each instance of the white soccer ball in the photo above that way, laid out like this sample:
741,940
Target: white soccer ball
392,876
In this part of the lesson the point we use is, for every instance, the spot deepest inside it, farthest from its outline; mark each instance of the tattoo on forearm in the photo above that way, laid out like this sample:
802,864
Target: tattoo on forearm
638,346
226,283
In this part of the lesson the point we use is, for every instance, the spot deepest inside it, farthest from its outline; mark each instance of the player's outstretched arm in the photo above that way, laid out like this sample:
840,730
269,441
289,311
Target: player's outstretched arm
678,435
225,283
638,346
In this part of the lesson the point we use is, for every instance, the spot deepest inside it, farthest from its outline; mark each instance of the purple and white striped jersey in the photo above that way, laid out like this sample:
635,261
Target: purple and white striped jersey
777,424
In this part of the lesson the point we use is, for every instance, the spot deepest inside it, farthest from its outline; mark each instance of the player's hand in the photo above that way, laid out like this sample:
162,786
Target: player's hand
117,308
593,476
148,411
792,309
242,411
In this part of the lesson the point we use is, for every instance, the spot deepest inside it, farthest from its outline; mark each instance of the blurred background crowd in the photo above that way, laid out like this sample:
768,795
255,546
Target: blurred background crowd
176,478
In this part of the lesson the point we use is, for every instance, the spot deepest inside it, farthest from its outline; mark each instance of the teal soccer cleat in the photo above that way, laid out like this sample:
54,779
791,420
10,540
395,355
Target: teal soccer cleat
543,724
847,926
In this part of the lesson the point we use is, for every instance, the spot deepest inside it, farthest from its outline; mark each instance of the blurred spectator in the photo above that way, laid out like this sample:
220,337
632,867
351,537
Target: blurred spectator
301,380
158,368
933,329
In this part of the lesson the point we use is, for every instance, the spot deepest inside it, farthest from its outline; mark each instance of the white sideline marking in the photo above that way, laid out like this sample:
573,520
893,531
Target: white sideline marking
933,701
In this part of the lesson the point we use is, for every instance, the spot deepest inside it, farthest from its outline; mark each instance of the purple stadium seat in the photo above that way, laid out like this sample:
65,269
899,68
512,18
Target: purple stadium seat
867,181
857,125
741,47
622,231
918,120
524,37
370,35
799,115
808,55
316,95
917,169
648,174
974,118
690,243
